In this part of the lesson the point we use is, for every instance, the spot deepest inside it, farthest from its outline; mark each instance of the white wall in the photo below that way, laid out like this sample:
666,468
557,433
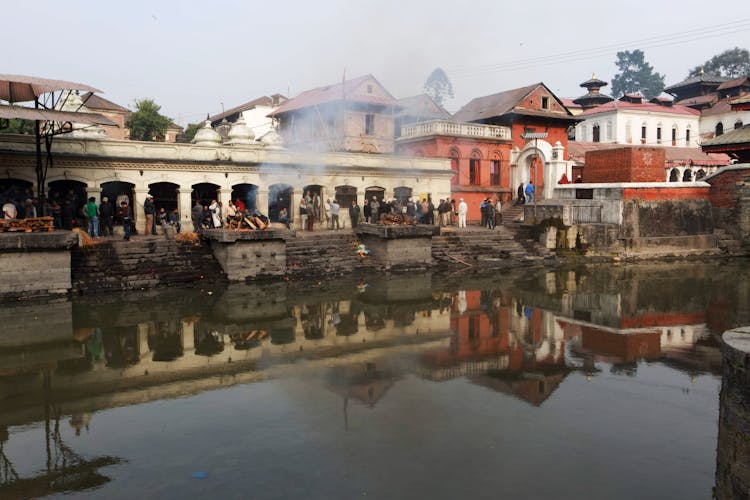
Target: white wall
613,128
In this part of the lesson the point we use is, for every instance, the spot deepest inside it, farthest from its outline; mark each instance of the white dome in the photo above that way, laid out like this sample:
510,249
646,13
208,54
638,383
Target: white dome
207,136
74,104
240,133
272,138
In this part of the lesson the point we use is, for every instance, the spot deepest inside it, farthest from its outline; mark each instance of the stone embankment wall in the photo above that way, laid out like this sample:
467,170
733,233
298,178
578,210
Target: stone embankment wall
733,450
730,199
115,265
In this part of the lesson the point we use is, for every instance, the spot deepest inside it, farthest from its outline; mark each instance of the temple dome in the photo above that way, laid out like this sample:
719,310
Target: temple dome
207,136
240,133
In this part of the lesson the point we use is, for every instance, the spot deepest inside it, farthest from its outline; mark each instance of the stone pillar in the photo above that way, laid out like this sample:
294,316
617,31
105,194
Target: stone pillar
261,201
225,196
185,207
143,339
94,191
294,208
187,335
139,215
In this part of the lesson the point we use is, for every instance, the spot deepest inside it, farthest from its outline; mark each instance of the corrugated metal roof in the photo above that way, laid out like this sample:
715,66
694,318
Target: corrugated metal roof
22,88
481,108
53,115
93,101
423,107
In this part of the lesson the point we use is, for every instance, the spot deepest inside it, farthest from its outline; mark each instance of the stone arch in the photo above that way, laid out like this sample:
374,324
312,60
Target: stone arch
700,174
674,175
117,191
205,192
738,124
376,191
247,193
279,197
12,189
72,194
687,175
402,194
165,195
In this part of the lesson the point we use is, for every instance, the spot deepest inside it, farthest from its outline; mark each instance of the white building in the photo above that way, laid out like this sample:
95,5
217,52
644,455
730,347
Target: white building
255,113
630,120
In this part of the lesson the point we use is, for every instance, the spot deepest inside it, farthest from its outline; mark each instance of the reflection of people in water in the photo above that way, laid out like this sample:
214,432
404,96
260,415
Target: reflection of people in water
208,343
461,301
80,421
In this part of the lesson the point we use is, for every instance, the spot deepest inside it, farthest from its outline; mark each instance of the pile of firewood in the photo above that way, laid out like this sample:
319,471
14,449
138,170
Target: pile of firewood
397,220
35,224
247,223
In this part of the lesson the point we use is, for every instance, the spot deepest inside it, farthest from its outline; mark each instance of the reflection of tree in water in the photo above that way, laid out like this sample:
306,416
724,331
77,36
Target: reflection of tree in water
121,346
8,472
208,343
165,340
312,319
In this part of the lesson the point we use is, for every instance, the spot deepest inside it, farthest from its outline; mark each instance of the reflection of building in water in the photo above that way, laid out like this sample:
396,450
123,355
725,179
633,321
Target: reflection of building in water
501,344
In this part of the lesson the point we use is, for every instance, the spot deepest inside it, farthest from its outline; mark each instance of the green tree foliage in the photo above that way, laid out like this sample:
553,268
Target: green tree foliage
16,126
636,75
732,63
438,86
191,130
145,123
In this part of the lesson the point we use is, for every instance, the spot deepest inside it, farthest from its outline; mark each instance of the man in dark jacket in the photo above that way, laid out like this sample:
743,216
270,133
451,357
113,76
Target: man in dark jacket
126,216
149,209
354,213
197,215
107,217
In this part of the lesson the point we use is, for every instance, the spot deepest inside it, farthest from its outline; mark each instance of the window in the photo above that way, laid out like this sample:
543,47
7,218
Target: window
643,134
545,102
474,171
719,128
628,132
687,137
738,124
658,134
609,131
454,167
674,135
369,124
495,172
595,133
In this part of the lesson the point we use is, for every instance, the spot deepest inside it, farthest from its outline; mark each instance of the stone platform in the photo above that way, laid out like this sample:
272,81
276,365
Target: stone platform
399,247
249,254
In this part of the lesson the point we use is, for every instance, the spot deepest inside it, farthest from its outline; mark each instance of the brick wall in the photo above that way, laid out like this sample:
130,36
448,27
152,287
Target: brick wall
629,164
724,184
666,193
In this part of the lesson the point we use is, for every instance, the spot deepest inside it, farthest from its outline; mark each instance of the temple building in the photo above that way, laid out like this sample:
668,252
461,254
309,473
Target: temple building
354,115
593,97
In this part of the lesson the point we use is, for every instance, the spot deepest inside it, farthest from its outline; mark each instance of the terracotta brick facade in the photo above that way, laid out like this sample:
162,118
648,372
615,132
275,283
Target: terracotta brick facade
629,164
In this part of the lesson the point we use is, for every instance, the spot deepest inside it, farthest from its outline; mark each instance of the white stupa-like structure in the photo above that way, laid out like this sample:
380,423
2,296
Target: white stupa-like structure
207,136
240,133
73,103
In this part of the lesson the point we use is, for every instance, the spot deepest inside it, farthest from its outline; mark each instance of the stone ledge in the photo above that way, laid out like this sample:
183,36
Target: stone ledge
392,232
226,236
63,240
738,339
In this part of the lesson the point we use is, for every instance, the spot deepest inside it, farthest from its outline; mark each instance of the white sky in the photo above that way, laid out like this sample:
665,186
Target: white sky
191,56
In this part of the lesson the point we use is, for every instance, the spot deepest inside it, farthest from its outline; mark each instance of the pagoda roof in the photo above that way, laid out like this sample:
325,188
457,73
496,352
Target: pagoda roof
594,82
698,79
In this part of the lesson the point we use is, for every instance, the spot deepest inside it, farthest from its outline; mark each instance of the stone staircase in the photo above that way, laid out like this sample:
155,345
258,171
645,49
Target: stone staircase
478,246
323,252
727,243
511,213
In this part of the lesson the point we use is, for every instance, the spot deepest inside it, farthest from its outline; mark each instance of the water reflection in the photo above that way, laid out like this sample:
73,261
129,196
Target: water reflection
517,334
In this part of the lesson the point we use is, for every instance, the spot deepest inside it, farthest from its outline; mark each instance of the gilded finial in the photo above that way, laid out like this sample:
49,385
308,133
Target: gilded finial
593,75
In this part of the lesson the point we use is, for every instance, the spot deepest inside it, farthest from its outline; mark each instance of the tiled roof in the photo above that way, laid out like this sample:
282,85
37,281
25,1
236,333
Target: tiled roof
701,99
337,92
734,83
569,103
643,106
93,101
736,136
482,108
745,99
719,108
260,101
697,79
423,107
673,155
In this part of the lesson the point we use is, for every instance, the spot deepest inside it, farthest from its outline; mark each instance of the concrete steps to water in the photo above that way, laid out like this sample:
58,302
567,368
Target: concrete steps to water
325,252
476,244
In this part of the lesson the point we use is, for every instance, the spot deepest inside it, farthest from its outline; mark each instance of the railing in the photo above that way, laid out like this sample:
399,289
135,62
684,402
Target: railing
445,127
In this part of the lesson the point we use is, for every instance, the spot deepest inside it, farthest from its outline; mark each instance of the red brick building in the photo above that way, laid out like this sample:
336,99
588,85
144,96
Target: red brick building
485,143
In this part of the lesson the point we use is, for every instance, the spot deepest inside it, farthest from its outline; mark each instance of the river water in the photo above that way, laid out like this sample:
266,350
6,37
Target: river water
594,382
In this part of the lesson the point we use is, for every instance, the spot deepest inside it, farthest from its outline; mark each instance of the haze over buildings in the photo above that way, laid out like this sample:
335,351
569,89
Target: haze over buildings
192,59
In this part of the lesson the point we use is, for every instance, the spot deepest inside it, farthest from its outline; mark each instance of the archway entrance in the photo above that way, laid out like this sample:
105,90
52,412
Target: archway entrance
247,194
674,175
165,195
402,194
73,197
345,195
117,192
687,175
205,192
279,196
316,207
16,191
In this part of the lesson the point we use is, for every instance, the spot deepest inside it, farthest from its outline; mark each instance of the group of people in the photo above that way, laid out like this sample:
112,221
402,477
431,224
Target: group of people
525,195
100,218
215,215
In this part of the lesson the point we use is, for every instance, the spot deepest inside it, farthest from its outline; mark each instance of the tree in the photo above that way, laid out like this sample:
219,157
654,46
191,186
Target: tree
438,86
732,63
16,126
189,133
636,75
145,123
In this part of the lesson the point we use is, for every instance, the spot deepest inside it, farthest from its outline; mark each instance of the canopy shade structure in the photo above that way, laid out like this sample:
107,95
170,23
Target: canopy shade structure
21,88
53,115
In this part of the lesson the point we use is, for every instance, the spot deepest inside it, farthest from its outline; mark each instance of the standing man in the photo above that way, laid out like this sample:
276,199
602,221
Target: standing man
490,211
197,215
354,213
530,192
303,212
498,212
375,207
92,214
520,198
367,211
107,216
462,209
126,216
149,208
335,214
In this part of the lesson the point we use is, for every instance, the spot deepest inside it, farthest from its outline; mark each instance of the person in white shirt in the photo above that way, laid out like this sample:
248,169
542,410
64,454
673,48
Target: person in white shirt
462,209
498,212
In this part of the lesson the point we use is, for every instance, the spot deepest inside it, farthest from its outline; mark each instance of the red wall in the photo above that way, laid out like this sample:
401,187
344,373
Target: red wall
667,193
722,192
629,164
